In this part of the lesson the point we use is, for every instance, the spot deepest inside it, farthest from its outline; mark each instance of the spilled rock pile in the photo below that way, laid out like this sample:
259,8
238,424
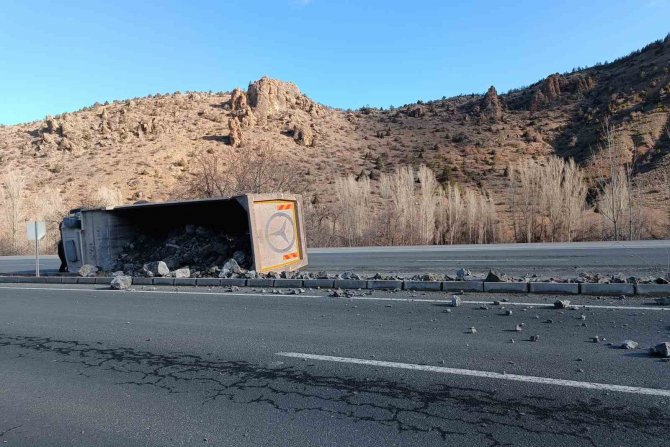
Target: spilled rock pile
193,251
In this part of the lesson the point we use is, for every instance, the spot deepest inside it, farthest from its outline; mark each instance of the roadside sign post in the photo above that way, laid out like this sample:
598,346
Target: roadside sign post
36,230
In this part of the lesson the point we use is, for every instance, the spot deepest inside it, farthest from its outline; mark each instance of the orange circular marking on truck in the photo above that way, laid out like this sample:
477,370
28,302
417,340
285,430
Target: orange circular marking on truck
291,256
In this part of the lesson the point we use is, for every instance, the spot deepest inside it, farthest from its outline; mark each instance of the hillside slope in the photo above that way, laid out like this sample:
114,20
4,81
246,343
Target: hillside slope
146,147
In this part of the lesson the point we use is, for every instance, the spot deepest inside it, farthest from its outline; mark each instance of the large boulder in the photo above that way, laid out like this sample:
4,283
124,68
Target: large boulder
87,270
463,273
495,276
231,267
184,272
156,268
121,282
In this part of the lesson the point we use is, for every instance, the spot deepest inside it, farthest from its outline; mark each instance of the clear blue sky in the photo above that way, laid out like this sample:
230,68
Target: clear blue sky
58,56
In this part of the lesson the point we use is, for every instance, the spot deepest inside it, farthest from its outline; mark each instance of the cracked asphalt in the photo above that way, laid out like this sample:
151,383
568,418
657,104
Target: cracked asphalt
160,366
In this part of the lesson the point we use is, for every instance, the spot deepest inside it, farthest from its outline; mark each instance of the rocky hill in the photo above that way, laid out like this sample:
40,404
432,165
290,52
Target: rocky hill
146,147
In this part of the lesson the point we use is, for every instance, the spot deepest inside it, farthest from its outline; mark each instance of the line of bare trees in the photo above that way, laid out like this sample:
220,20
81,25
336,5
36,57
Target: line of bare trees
548,200
411,208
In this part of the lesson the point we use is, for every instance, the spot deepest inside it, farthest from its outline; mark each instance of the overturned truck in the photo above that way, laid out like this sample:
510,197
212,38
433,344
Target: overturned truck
262,232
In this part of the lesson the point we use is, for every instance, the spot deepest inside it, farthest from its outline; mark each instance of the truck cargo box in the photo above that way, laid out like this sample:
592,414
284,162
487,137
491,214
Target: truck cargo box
271,225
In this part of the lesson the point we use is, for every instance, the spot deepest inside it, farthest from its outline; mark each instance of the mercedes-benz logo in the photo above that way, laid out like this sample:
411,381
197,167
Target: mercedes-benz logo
279,232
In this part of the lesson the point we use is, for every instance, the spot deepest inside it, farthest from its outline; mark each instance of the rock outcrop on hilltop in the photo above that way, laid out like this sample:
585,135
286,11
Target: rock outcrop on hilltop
491,104
554,87
235,132
270,98
239,108
270,101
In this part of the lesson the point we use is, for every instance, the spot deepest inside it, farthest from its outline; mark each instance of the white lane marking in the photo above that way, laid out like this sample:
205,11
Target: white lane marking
171,292
483,374
463,260
576,306
358,298
504,303
519,259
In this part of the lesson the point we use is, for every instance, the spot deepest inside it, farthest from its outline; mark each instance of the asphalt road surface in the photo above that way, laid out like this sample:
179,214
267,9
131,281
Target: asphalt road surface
561,259
86,366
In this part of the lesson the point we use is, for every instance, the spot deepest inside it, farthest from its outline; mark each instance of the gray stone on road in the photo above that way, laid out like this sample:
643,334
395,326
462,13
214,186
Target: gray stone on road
121,282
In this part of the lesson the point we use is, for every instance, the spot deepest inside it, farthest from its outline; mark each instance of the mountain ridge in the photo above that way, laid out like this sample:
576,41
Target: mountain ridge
147,147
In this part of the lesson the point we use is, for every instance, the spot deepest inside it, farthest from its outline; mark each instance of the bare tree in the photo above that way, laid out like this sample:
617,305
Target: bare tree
551,195
467,216
259,169
13,205
429,201
527,192
49,206
574,197
253,169
353,199
548,200
454,214
321,223
398,191
613,201
614,182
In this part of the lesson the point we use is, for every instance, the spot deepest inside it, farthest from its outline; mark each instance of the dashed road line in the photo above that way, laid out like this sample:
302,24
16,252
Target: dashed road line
483,374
